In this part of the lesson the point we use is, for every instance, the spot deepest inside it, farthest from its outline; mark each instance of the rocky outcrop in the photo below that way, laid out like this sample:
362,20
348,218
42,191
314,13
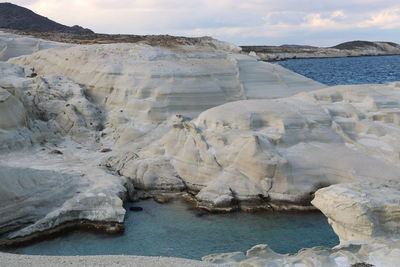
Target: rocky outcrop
143,87
379,254
152,83
12,111
348,49
250,154
12,45
42,190
361,212
64,124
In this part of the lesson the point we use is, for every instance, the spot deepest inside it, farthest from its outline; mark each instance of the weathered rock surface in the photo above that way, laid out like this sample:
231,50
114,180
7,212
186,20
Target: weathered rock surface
348,49
56,190
152,83
12,111
62,125
379,254
274,152
361,211
12,45
41,190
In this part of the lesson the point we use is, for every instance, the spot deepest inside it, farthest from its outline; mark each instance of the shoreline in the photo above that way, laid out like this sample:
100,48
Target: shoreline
316,57
117,228
8,259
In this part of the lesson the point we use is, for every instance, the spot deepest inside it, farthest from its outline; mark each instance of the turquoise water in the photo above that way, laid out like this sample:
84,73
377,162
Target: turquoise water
351,70
174,230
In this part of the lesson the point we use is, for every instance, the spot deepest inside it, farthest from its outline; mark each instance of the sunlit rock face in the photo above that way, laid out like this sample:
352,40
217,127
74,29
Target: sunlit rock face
361,211
12,111
152,83
378,253
45,181
12,45
118,98
280,150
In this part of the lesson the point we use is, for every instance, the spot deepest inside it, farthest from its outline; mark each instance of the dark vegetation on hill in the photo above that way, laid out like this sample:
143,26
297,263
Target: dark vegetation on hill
361,44
19,18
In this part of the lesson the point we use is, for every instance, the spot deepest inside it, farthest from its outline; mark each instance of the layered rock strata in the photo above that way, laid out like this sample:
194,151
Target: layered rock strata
56,130
46,182
13,45
275,153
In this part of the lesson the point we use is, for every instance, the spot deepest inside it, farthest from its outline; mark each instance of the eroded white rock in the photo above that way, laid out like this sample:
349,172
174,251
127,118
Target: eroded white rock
153,83
379,254
361,211
282,150
13,45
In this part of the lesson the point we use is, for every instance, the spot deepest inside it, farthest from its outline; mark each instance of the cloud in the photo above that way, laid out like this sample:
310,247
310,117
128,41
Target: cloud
384,19
238,21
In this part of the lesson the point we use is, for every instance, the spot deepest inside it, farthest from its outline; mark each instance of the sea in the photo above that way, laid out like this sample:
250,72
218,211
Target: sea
349,70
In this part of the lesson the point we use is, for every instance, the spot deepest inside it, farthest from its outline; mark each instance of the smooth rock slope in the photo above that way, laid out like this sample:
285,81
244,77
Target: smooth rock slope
276,153
46,184
13,45
361,211
118,98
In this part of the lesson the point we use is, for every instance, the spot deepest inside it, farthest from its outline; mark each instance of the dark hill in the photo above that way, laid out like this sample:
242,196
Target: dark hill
19,18
362,44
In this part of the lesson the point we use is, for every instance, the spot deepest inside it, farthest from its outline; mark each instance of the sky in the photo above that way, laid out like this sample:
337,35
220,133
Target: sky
242,22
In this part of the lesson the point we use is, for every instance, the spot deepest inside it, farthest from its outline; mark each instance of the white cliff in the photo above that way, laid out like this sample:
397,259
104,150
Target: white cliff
361,211
45,181
276,152
118,97
13,45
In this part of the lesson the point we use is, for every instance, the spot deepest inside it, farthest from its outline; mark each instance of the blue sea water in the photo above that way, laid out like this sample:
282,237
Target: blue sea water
174,230
350,70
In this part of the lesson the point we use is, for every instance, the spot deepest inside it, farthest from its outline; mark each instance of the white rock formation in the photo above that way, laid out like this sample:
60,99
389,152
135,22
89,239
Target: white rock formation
13,45
61,125
279,150
153,83
12,111
50,183
361,212
200,118
379,254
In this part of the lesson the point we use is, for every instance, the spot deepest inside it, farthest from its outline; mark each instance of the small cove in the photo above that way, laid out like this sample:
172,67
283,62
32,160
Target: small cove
174,230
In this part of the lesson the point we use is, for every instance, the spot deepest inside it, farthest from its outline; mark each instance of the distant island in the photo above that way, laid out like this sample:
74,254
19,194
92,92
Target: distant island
347,49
